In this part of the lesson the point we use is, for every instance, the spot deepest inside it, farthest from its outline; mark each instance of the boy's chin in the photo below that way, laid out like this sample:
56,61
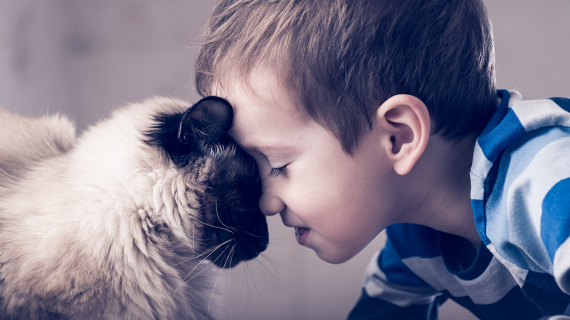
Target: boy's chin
334,257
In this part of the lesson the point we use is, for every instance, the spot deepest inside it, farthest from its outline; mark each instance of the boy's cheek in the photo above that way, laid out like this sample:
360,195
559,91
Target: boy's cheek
347,238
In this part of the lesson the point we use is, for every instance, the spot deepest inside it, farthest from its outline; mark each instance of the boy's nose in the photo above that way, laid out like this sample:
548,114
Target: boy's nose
270,204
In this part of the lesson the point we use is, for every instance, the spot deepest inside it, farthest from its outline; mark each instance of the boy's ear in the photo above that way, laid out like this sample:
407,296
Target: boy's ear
405,120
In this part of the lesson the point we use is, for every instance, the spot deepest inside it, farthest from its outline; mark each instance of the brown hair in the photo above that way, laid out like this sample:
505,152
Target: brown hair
343,58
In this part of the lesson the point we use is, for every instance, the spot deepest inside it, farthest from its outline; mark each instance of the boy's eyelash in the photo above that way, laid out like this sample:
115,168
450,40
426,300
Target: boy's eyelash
276,172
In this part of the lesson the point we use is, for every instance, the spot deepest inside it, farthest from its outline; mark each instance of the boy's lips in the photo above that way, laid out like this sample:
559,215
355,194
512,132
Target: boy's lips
301,234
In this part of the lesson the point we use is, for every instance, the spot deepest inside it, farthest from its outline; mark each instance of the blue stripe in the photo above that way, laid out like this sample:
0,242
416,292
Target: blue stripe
368,308
413,240
514,305
480,212
395,270
507,131
542,287
564,103
554,222
480,221
514,160
480,264
547,283
499,113
466,303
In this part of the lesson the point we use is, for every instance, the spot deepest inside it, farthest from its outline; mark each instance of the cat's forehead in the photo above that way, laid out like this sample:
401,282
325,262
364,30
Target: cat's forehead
163,105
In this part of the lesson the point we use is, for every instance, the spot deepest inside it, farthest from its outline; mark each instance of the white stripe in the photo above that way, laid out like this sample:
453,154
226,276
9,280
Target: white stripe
562,266
481,165
491,286
515,97
518,274
477,187
525,197
549,173
534,114
434,272
377,286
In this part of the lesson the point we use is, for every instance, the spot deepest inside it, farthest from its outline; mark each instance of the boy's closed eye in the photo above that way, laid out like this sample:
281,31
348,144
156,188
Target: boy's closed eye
276,172
277,154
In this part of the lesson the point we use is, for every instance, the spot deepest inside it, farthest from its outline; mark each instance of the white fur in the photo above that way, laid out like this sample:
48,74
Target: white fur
78,220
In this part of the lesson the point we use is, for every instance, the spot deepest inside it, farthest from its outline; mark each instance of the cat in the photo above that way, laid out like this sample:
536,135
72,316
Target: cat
125,221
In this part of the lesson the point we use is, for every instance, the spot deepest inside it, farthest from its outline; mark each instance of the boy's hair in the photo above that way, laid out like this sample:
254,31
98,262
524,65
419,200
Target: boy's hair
341,59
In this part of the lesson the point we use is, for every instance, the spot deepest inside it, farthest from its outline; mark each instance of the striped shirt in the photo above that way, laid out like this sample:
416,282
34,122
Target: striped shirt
520,194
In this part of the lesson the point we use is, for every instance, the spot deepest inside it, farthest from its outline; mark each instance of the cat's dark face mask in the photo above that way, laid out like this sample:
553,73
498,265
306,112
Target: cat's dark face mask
197,141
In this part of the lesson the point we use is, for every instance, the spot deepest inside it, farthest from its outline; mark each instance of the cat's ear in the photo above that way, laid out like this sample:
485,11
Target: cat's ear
180,135
208,121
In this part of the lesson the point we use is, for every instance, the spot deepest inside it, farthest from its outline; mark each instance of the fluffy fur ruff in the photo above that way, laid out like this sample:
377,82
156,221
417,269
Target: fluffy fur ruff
105,227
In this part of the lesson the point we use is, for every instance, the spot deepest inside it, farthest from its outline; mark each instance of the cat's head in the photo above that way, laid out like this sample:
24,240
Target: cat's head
224,178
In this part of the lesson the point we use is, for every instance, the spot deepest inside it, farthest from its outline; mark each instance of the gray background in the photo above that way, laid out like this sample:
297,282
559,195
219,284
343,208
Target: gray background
85,58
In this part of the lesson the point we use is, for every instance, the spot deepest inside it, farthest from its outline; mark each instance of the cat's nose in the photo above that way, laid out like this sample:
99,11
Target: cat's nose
263,243
254,241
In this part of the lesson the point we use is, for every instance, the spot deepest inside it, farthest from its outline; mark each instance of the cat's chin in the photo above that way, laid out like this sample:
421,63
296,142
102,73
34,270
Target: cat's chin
229,256
230,253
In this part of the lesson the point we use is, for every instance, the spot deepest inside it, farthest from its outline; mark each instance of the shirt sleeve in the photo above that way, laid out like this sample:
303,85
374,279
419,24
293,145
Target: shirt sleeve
535,232
542,191
555,231
392,291
524,211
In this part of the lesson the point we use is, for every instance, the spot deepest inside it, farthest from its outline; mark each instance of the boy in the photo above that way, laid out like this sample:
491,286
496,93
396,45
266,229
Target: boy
372,115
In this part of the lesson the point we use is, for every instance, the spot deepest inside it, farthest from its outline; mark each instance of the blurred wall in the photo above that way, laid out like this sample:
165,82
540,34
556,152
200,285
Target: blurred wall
85,58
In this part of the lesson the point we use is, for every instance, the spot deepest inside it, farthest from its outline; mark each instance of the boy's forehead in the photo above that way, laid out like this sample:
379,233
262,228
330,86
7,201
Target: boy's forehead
261,88
265,114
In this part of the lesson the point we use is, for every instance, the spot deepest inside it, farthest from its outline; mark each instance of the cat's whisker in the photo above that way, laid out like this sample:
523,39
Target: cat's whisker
252,248
212,251
184,281
251,234
204,268
212,294
231,251
225,264
218,214
257,288
203,253
214,247
228,259
251,278
273,265
231,259
209,225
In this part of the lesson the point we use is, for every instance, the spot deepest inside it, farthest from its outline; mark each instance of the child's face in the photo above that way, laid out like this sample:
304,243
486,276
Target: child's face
337,203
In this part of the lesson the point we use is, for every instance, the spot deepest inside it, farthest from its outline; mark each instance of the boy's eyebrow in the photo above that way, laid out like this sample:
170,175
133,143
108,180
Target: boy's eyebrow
264,147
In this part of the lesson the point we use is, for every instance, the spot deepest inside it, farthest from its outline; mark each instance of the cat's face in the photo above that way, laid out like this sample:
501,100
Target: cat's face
231,226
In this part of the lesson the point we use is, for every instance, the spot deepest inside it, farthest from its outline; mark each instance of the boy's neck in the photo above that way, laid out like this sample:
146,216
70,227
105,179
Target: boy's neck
441,188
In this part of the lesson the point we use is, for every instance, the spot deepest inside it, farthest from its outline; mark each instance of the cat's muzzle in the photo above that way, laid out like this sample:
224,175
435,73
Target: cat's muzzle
237,245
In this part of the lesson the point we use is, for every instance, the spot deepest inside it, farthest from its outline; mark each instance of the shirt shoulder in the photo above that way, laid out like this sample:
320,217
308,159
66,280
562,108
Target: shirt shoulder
521,164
